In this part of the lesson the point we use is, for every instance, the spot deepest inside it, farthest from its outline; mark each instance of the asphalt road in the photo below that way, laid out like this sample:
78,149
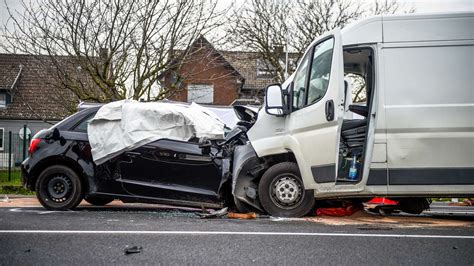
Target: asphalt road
90,235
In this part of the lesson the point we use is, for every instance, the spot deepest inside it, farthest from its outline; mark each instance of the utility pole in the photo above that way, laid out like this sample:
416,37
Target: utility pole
286,54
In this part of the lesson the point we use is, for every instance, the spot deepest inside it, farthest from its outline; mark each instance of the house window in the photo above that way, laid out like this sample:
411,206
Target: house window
201,93
2,137
3,99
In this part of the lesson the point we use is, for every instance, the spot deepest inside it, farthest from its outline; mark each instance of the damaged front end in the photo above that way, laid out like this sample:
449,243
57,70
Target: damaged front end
178,170
245,173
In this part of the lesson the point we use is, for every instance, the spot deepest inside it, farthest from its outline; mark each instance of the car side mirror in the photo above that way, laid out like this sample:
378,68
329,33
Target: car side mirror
274,103
55,135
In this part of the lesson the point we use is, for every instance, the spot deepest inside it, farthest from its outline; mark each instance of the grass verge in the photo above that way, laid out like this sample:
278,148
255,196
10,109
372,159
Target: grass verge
12,186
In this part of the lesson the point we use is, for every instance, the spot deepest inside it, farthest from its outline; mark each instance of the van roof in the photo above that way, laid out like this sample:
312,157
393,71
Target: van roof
410,28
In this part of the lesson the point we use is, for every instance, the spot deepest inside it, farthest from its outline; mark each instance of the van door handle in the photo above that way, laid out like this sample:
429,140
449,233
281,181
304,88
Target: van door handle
329,110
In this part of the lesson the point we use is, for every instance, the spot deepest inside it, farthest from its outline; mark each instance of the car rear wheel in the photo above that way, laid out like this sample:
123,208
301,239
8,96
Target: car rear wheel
281,191
96,201
59,188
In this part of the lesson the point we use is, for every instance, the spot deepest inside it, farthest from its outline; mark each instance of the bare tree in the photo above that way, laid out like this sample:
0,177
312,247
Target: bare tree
262,26
109,50
269,27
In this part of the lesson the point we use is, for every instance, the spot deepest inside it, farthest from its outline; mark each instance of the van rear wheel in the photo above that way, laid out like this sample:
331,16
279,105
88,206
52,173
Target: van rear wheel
281,191
59,188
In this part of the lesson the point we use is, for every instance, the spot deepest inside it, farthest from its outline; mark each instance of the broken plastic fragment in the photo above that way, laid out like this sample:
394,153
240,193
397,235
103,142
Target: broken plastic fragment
132,250
213,214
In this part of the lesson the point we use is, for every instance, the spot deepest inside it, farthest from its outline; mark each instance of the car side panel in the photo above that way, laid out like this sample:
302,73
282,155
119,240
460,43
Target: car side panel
173,170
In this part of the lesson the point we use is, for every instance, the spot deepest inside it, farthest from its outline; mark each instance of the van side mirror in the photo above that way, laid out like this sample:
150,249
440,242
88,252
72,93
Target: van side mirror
274,103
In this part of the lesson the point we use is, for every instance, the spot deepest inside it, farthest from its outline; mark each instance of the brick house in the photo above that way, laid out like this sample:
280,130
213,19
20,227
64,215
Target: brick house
207,77
29,98
210,76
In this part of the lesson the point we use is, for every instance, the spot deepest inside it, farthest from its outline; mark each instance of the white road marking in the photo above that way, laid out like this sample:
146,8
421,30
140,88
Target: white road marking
227,233
450,212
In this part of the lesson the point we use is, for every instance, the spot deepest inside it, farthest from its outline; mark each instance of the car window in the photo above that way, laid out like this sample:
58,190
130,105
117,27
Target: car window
320,70
82,126
299,83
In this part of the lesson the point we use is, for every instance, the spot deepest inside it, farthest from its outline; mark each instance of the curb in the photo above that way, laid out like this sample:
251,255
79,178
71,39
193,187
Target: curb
15,196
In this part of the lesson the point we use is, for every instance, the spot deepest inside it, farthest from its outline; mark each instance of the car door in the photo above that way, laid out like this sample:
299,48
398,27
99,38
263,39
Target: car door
171,170
317,111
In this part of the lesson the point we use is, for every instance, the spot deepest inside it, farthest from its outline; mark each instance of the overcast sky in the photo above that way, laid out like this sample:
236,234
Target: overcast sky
422,6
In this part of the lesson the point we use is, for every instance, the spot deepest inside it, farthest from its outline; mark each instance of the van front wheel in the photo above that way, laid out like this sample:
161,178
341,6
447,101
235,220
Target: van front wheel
281,191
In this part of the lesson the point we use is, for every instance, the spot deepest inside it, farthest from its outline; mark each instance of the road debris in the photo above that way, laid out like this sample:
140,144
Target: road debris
249,215
205,214
383,206
337,212
132,250
338,209
363,218
6,199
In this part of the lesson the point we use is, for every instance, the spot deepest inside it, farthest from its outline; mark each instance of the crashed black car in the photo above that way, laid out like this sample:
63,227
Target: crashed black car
61,170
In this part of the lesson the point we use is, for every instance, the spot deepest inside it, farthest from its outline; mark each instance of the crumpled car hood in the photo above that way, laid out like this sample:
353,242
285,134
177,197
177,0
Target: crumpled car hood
125,125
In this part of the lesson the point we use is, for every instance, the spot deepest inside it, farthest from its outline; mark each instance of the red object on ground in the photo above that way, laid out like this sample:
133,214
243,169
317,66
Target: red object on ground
382,201
338,212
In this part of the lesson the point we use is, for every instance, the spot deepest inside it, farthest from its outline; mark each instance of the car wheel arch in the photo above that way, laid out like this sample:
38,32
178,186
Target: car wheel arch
59,160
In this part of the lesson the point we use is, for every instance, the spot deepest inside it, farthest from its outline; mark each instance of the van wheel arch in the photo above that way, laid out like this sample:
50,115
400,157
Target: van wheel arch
250,174
273,159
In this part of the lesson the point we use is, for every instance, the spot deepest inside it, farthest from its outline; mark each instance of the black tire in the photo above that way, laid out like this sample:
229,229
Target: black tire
296,203
59,188
96,201
414,205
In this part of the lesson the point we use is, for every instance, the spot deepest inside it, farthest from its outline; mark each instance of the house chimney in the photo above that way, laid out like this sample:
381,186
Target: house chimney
278,49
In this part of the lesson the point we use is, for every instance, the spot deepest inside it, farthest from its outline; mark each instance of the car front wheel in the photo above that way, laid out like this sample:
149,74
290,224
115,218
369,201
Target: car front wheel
59,188
281,191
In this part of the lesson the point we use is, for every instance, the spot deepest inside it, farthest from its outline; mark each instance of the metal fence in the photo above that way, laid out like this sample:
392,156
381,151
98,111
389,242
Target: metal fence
15,151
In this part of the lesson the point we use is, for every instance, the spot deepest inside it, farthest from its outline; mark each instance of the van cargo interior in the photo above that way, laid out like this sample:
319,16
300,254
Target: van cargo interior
358,73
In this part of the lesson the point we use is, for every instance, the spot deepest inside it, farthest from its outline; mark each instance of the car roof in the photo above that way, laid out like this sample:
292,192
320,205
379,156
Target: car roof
75,118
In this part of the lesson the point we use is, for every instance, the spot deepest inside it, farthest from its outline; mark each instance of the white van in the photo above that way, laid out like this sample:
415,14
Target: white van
415,133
